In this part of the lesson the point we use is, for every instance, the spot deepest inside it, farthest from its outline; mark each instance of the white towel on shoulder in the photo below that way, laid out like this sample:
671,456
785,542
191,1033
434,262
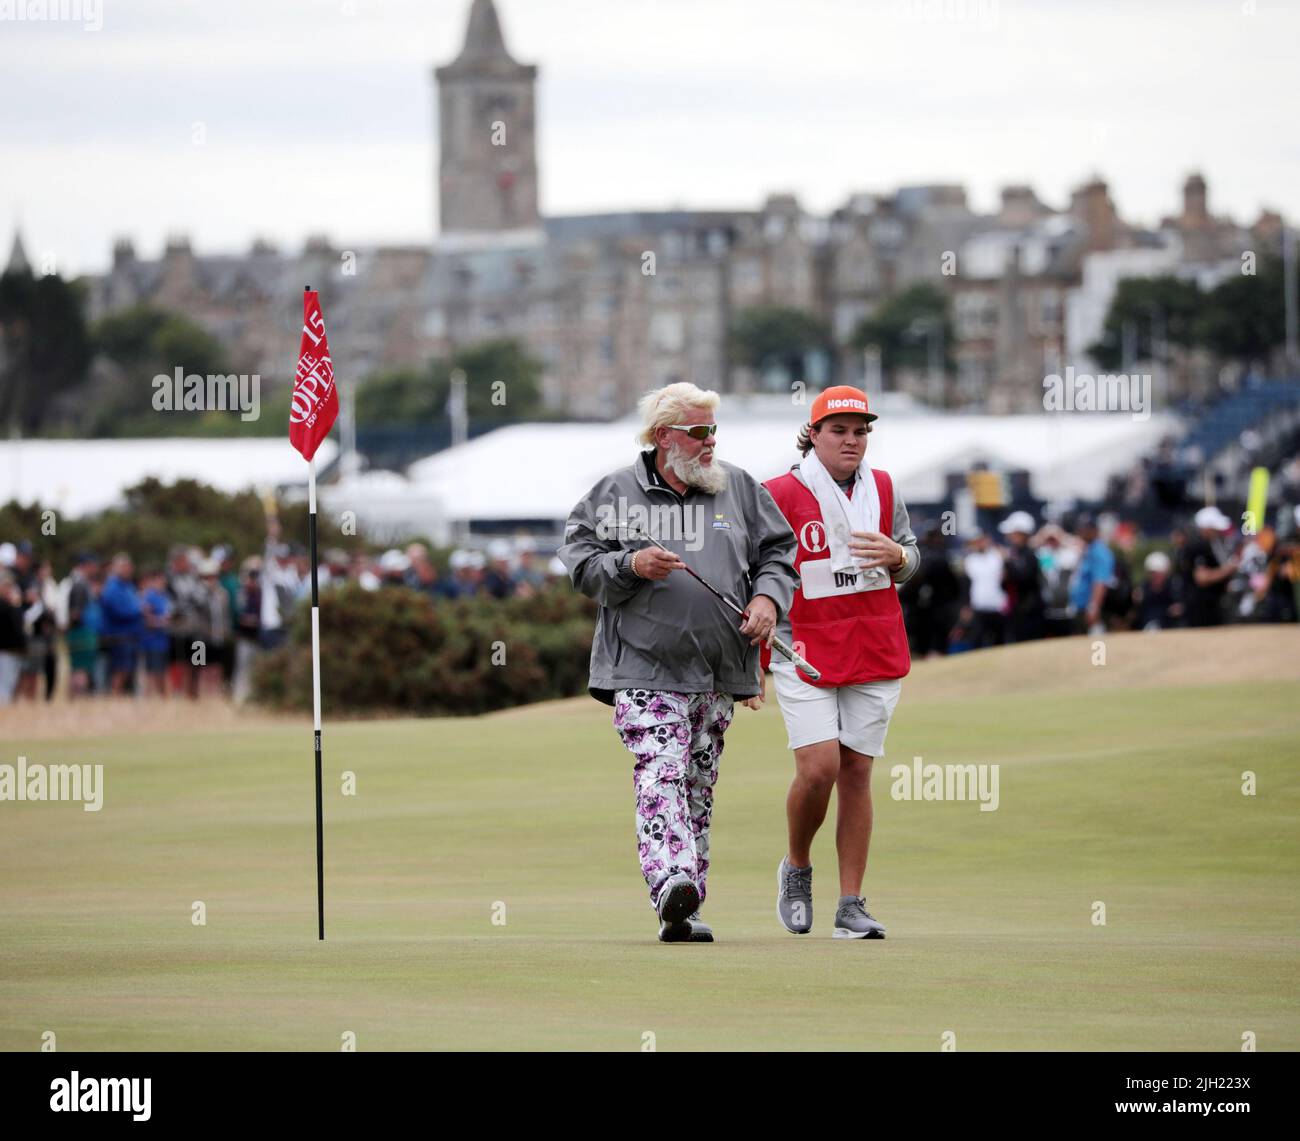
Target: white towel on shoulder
842,514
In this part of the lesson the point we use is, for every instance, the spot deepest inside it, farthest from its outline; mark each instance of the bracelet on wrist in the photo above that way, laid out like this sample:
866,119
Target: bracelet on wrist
632,564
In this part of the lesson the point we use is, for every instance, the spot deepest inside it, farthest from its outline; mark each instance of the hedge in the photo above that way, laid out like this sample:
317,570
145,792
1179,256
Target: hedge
395,649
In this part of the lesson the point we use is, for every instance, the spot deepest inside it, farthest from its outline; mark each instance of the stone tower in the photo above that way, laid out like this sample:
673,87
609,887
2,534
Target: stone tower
487,179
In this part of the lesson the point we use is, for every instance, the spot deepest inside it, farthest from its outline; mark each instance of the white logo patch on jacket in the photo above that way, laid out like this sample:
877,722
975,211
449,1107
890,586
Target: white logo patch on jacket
812,536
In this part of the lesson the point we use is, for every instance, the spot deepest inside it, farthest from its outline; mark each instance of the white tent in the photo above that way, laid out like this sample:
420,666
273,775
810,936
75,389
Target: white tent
79,477
539,471
386,507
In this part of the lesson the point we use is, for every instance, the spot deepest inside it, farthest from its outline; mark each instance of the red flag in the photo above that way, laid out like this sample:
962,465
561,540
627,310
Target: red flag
315,403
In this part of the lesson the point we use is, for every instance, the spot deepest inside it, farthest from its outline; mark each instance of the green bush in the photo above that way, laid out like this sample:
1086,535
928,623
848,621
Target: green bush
395,649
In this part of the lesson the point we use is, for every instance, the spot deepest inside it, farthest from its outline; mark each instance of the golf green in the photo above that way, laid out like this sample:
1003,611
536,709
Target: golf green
482,890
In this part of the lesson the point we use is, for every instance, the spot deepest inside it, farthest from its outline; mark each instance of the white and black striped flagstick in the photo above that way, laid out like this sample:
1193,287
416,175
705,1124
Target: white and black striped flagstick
315,691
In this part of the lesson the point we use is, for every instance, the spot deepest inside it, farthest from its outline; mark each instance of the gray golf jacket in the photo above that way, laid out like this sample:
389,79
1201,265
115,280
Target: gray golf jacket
673,635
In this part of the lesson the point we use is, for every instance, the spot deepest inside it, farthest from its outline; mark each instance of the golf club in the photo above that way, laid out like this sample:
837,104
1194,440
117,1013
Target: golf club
776,643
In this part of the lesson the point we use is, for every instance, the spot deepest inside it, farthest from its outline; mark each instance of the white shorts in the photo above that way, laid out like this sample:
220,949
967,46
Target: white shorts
856,715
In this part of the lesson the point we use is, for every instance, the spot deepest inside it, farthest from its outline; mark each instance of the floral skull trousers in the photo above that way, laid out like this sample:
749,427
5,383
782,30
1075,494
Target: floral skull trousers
676,739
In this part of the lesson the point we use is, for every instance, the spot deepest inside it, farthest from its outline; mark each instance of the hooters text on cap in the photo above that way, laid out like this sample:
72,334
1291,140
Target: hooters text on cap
841,399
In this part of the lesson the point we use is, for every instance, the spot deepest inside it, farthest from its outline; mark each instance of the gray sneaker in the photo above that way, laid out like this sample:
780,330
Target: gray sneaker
854,921
794,897
677,898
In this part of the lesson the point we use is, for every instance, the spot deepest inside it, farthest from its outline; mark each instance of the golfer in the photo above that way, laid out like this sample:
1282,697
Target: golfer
667,655
855,545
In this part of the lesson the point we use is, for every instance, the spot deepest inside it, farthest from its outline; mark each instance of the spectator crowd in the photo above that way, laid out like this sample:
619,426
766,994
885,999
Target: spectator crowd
1040,581
197,624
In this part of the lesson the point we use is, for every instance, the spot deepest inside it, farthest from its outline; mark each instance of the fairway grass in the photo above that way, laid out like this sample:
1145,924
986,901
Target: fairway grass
1130,797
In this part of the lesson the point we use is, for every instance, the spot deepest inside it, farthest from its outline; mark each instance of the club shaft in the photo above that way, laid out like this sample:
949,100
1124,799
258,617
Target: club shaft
777,644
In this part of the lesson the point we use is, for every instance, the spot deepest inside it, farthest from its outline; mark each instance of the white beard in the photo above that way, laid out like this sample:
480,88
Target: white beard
711,479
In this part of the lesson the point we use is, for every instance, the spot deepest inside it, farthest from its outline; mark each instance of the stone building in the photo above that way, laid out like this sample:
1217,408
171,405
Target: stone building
613,304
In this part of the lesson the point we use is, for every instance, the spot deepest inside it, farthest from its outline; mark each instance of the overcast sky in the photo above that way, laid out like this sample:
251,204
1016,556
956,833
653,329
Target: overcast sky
318,115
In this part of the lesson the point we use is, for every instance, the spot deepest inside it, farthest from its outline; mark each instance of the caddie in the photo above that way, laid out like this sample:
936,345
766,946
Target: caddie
667,655
855,546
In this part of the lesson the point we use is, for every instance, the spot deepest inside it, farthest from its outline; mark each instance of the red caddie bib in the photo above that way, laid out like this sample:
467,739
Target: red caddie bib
852,636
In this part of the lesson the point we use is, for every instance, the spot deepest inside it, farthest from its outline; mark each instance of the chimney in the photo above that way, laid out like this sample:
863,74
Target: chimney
1092,206
1196,215
1020,206
123,252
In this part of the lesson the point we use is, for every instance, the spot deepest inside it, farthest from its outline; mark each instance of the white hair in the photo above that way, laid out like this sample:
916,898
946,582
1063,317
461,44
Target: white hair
669,405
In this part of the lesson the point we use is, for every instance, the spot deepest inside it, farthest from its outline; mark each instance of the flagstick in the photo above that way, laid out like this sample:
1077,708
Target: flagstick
315,696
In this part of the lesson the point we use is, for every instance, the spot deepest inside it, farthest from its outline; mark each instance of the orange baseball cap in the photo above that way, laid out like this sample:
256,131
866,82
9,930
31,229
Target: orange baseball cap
838,400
